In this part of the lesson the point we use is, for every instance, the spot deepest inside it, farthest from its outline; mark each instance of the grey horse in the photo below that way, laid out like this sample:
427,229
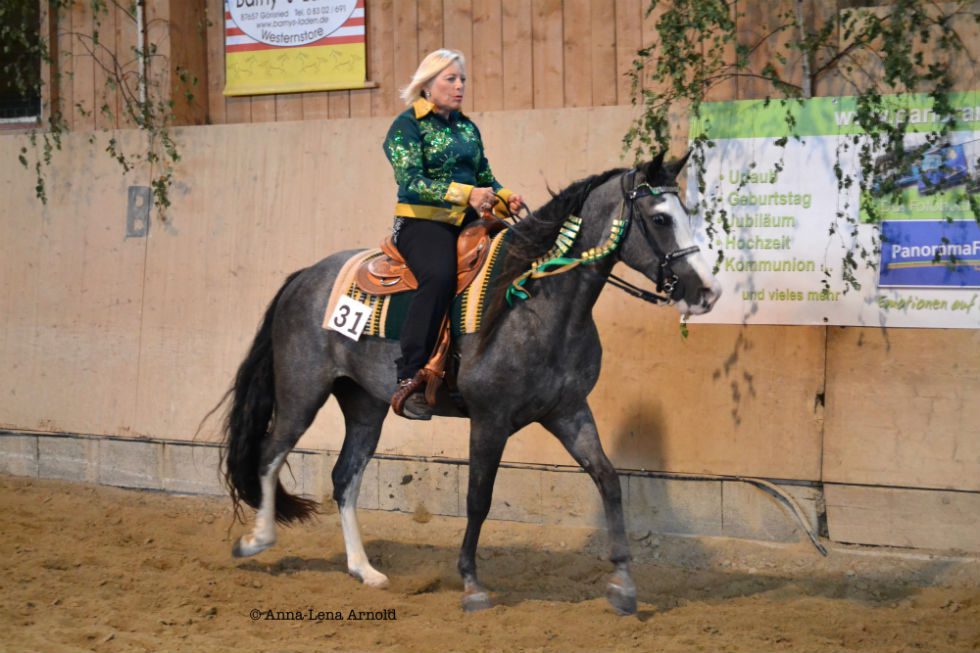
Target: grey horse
534,362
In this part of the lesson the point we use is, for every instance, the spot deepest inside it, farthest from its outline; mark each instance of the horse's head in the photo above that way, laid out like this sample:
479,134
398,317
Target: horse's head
660,241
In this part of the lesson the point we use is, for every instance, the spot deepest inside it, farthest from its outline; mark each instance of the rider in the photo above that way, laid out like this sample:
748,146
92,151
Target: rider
444,180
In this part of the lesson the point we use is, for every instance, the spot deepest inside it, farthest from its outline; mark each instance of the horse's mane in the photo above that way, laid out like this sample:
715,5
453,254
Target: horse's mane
531,239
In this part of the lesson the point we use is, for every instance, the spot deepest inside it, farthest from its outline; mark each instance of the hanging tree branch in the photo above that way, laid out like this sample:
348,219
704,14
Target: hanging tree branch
907,46
153,114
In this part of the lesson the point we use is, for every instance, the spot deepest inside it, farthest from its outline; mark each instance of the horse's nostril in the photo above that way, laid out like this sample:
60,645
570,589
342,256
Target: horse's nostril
709,296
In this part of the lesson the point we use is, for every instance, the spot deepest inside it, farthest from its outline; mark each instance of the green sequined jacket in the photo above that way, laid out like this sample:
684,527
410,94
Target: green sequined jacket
437,163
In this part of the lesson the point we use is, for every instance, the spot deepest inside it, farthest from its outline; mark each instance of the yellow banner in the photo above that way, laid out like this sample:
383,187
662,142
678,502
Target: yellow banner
287,46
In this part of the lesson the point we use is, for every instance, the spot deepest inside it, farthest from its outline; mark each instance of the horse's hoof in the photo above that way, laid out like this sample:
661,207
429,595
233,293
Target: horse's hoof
622,596
370,577
476,601
243,549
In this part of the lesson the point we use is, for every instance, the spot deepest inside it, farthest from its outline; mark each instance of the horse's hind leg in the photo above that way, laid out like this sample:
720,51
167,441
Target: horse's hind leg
263,533
363,416
577,432
293,418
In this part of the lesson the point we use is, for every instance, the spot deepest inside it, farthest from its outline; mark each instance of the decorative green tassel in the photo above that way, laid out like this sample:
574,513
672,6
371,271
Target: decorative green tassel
555,258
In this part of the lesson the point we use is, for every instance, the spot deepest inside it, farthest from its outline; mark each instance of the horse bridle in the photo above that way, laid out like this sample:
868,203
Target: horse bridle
666,278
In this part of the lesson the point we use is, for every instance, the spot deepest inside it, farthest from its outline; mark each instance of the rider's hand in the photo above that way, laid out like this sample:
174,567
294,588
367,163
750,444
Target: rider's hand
515,202
482,199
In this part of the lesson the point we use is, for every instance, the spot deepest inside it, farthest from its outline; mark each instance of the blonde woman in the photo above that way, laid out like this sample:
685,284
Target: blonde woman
444,182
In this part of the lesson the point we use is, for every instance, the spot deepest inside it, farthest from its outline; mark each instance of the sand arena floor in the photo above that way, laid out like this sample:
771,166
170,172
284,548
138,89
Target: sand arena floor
90,568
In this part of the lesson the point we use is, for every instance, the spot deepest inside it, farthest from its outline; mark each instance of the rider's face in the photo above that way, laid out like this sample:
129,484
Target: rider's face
446,90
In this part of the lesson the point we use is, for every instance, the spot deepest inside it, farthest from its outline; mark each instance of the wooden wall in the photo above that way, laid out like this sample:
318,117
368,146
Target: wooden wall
522,54
77,79
140,337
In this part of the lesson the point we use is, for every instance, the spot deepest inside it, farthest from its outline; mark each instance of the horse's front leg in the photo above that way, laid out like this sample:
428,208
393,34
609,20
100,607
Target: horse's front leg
577,432
363,417
486,447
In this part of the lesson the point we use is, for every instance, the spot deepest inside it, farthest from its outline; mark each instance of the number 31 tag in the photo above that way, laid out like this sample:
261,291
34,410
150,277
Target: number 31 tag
349,317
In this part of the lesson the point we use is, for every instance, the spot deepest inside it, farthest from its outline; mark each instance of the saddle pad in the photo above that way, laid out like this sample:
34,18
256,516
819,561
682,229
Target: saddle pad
388,312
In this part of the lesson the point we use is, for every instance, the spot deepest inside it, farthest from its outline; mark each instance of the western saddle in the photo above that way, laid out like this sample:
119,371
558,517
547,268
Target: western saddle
389,274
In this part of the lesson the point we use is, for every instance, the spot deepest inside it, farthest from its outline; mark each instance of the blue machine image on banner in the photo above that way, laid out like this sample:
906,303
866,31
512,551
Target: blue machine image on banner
930,253
943,167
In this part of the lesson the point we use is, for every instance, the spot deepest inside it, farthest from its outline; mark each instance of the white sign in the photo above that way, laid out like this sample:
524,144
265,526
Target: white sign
349,317
789,218
290,22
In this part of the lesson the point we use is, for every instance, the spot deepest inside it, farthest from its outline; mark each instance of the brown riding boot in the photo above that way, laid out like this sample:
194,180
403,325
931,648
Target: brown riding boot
408,395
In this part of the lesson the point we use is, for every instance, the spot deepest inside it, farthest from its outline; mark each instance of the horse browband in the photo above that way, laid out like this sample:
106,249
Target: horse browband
646,190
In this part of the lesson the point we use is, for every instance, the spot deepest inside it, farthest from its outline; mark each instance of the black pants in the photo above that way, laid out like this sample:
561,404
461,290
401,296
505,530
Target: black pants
429,248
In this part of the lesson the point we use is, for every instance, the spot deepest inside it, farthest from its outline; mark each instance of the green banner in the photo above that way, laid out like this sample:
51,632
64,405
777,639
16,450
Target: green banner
825,116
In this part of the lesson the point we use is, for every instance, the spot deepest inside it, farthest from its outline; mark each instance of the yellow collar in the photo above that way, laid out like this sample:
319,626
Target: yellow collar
423,107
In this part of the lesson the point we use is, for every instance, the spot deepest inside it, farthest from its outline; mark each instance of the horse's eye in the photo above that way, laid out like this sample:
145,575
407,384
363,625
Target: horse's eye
661,218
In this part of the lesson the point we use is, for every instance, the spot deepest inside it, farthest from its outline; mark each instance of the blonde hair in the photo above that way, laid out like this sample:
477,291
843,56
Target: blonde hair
433,64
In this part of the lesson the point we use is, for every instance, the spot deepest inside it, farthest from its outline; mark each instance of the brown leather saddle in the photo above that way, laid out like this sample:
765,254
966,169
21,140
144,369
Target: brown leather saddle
388,274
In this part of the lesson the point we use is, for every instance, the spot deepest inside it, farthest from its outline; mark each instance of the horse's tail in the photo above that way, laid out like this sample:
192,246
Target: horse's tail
249,420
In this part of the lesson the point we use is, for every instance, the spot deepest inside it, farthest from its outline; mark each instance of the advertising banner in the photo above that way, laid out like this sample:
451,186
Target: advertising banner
789,222
292,46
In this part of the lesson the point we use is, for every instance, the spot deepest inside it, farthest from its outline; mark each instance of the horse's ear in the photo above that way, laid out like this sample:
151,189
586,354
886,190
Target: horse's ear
651,169
674,167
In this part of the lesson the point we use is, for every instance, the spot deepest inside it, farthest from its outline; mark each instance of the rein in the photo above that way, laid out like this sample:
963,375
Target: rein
556,261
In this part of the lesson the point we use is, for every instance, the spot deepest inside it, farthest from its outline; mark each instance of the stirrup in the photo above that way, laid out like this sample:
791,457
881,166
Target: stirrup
406,389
